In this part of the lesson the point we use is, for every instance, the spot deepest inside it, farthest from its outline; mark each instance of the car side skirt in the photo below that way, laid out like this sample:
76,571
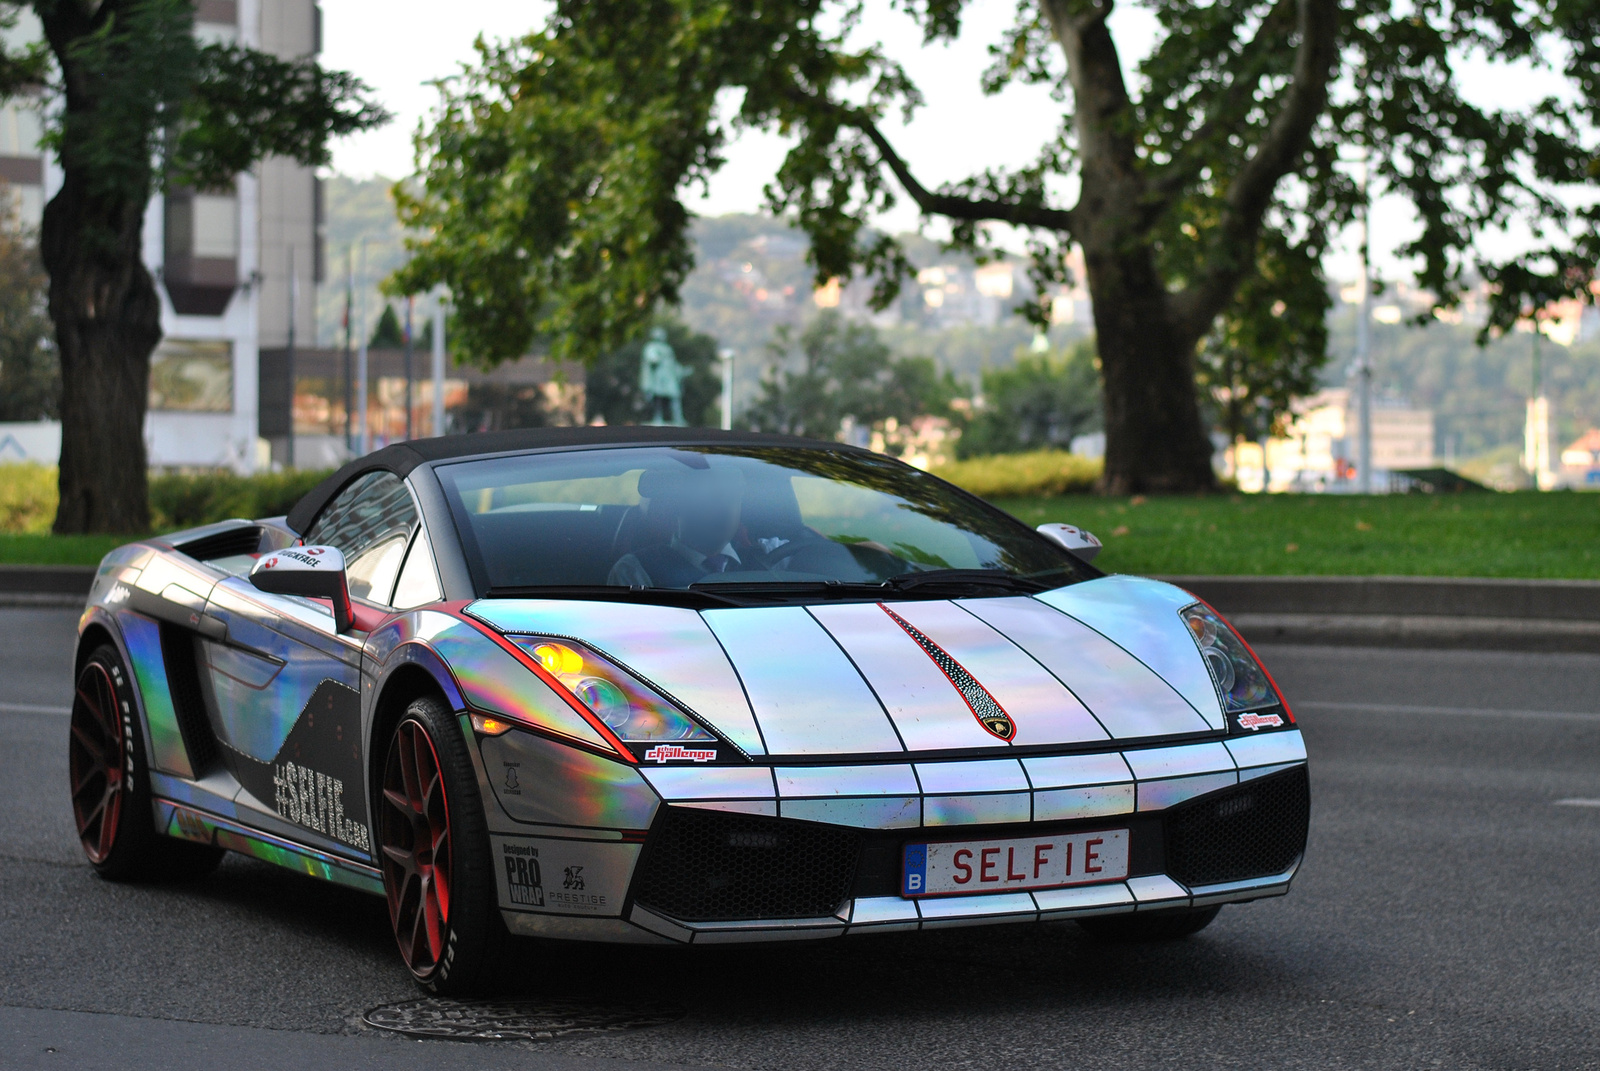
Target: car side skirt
189,823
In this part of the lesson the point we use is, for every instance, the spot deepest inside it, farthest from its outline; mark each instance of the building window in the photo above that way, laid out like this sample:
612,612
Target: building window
201,262
192,376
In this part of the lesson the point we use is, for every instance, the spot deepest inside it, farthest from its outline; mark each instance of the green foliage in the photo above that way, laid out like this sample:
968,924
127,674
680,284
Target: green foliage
388,334
554,180
27,498
30,371
151,96
1042,401
241,105
1535,535
611,385
185,500
836,370
1039,473
1268,348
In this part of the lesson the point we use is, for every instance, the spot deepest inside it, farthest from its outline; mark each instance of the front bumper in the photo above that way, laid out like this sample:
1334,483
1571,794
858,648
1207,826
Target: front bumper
869,812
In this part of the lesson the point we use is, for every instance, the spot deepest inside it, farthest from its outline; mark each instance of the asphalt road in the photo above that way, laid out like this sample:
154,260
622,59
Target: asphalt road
1448,915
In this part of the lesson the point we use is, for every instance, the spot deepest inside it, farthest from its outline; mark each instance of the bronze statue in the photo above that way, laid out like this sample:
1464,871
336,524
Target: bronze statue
661,380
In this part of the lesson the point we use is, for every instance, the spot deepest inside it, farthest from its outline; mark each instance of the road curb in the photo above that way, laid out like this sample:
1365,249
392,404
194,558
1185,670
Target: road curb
1406,611
45,586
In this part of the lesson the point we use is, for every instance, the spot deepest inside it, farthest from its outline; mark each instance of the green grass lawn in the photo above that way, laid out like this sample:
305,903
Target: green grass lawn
56,550
1525,534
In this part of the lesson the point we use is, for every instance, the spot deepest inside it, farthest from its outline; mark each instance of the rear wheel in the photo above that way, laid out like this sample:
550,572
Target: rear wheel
434,850
1150,926
110,783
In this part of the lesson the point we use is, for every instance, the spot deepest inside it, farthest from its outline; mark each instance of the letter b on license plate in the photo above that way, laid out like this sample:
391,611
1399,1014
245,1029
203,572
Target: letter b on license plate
946,868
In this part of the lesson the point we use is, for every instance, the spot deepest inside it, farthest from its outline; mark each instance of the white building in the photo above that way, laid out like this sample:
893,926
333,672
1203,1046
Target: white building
222,260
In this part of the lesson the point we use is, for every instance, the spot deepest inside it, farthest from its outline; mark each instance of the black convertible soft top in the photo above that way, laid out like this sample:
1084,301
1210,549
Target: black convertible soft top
401,458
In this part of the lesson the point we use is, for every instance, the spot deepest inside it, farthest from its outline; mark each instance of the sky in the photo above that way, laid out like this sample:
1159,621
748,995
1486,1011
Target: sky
411,45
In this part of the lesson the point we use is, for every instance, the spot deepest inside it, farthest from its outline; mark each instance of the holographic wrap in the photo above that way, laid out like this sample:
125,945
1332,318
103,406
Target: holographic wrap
563,877
201,827
981,792
808,697
1119,690
142,638
1170,775
668,647
492,680
1043,710
926,709
631,709
824,701
539,780
1141,617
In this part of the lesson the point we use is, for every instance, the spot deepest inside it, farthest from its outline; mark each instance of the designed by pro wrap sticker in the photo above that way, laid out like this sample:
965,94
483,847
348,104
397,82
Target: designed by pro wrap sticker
563,877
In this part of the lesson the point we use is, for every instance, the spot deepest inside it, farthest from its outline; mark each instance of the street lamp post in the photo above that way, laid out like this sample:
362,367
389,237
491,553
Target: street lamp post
438,362
727,388
1364,338
361,361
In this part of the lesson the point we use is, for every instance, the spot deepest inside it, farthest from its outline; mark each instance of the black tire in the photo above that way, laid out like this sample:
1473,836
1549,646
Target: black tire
109,781
1169,925
450,943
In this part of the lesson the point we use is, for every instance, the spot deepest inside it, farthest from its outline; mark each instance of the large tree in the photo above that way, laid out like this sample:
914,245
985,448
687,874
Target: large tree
554,176
139,104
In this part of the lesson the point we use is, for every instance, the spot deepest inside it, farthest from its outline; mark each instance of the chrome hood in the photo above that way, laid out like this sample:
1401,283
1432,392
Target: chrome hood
1100,661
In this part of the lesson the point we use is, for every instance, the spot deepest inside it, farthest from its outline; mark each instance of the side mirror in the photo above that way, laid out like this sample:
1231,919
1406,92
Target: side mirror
1079,542
312,572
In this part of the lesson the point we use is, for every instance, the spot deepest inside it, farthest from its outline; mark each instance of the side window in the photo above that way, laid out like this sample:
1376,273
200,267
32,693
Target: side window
370,522
418,584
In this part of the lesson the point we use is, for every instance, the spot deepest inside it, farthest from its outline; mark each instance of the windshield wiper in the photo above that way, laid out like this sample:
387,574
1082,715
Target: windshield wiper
965,578
693,599
835,589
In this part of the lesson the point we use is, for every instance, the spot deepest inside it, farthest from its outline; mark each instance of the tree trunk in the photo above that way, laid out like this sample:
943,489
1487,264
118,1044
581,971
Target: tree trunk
107,316
1155,441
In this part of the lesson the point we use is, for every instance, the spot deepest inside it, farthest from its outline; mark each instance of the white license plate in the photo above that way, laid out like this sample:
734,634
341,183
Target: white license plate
944,868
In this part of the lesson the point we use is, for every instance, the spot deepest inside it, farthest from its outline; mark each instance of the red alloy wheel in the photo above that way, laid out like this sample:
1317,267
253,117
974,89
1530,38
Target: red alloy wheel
96,762
415,836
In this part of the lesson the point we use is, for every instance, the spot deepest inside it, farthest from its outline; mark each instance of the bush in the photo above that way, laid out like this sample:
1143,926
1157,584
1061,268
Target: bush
1043,472
29,494
28,497
185,501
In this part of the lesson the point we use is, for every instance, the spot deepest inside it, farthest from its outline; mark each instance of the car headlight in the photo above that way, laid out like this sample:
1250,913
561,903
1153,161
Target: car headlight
631,709
1240,678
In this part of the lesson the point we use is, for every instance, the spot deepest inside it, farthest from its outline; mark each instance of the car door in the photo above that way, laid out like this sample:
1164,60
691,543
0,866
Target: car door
283,688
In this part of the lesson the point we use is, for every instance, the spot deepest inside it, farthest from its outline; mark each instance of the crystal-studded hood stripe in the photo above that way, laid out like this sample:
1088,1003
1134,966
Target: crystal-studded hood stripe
989,713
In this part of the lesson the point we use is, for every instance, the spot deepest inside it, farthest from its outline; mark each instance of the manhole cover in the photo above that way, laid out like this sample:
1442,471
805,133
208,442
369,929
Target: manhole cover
512,1020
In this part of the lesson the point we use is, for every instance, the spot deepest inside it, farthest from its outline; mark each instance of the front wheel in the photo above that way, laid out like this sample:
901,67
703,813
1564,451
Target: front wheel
434,851
110,783
1142,926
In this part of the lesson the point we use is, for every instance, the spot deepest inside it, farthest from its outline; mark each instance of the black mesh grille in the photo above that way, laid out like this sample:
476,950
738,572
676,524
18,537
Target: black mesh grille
183,680
245,539
1252,831
706,866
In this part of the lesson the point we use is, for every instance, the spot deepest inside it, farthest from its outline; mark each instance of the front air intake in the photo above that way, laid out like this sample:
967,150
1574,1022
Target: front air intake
708,866
1253,831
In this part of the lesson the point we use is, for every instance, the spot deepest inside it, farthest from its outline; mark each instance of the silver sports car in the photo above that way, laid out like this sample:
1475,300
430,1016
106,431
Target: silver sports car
669,685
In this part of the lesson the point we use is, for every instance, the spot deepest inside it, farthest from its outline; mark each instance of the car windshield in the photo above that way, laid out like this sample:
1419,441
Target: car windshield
730,517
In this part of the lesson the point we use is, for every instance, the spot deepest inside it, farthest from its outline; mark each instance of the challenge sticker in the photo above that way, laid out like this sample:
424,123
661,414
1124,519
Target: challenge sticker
1259,721
673,752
